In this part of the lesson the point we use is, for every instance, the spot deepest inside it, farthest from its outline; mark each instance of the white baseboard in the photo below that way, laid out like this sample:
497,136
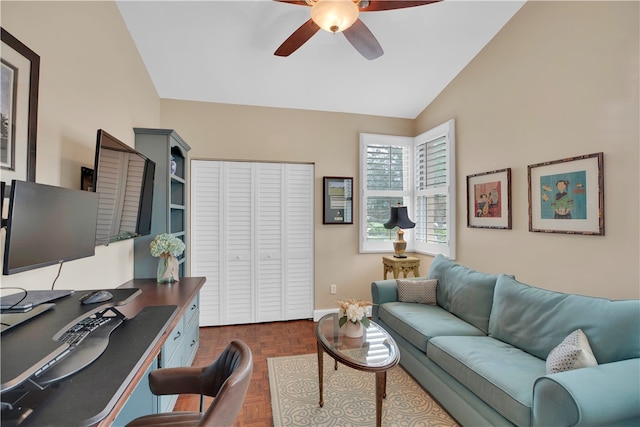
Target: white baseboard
317,314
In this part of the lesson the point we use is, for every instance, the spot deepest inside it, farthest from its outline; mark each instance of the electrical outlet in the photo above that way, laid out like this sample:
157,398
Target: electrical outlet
334,289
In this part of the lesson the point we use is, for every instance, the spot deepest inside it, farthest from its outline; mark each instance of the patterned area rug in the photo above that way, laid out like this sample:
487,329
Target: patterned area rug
349,396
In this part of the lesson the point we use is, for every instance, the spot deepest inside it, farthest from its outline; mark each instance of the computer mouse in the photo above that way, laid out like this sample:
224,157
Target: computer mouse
96,296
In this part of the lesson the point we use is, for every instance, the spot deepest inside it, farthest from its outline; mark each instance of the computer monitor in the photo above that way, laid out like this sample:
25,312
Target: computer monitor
48,225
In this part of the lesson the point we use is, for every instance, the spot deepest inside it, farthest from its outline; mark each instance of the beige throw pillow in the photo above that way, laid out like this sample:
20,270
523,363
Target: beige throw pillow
572,353
421,291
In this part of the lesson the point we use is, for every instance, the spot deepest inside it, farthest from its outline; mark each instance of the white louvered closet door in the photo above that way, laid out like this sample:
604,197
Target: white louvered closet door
252,238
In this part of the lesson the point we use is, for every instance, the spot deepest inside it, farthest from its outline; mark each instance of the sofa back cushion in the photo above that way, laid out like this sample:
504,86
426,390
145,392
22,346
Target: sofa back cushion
464,292
536,320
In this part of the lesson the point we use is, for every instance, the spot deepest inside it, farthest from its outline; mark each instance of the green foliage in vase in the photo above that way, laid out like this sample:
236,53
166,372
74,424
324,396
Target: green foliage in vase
166,244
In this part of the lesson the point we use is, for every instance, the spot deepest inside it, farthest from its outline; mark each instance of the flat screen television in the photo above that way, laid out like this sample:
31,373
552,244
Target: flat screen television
48,225
123,179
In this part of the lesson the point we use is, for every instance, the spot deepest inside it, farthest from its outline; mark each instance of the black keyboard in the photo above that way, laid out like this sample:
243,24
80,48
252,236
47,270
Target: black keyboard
75,334
87,340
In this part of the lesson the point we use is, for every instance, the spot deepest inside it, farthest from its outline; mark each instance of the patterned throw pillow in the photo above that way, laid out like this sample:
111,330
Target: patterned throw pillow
420,291
572,353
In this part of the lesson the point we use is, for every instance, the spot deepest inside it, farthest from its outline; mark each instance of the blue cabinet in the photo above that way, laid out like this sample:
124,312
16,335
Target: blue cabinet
179,349
169,151
141,401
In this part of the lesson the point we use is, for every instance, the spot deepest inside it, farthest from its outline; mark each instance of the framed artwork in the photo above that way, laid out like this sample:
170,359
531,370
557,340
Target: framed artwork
20,74
489,199
567,196
337,203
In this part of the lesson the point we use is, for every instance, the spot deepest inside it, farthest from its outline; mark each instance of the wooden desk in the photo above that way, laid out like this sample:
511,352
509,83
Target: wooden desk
96,394
405,265
154,293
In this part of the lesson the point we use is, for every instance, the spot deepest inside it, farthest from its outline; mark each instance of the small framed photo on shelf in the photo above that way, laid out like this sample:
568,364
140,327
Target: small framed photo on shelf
337,203
489,199
567,195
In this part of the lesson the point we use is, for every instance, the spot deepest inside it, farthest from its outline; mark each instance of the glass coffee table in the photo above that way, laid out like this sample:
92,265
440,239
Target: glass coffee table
375,352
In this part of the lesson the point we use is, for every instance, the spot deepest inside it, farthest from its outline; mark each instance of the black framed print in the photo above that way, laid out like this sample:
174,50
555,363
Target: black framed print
20,74
337,205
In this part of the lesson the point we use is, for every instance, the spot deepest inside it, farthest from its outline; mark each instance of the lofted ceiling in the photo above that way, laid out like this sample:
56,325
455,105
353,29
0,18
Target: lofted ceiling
222,51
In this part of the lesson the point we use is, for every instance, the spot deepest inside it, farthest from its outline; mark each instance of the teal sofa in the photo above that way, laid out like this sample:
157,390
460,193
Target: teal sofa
481,350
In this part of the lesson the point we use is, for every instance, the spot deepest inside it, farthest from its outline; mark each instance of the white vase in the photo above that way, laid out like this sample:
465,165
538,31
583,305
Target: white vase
353,330
167,269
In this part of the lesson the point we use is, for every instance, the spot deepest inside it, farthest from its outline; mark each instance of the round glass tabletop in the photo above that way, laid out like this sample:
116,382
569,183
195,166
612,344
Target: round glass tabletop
374,350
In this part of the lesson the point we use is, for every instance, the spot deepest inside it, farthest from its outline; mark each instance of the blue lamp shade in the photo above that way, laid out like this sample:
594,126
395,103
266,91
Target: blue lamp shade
399,218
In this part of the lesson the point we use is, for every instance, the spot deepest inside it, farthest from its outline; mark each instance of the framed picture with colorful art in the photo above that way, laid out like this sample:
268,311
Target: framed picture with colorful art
567,195
489,199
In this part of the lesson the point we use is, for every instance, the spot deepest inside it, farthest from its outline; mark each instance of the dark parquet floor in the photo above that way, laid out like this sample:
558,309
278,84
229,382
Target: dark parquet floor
266,340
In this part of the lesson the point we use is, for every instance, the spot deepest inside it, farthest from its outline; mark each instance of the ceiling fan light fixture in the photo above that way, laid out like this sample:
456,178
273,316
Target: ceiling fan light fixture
334,16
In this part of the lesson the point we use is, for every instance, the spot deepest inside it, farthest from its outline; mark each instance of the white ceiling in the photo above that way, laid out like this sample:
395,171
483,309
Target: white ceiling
222,51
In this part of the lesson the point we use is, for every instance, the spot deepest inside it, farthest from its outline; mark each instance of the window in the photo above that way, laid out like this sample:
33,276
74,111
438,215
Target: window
434,191
417,173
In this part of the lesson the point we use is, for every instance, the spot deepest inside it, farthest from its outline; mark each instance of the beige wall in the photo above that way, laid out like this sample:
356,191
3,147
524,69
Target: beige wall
91,77
559,80
329,140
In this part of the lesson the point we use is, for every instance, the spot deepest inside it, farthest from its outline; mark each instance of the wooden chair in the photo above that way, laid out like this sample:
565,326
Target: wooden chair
226,380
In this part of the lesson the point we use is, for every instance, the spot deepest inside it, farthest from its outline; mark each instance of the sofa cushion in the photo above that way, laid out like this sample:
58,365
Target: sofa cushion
422,291
537,320
418,323
573,352
464,292
498,373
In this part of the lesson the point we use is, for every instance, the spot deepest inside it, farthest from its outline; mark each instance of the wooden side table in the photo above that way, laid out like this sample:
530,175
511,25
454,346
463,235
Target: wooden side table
404,265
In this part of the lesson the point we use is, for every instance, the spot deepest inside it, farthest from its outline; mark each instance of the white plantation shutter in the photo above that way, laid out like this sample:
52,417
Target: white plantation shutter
434,188
385,163
238,224
418,173
207,236
299,236
270,223
252,237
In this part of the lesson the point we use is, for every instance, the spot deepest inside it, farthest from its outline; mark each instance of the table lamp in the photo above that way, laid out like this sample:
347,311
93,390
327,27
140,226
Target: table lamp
400,219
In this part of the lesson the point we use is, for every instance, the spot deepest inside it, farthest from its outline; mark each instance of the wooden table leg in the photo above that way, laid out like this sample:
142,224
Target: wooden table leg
320,372
381,391
384,390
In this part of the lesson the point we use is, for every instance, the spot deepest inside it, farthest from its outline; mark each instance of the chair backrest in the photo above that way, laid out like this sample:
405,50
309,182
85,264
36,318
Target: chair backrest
227,379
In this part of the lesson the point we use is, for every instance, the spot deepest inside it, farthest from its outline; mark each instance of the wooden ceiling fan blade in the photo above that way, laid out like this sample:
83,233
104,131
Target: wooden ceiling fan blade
298,2
377,5
361,37
298,38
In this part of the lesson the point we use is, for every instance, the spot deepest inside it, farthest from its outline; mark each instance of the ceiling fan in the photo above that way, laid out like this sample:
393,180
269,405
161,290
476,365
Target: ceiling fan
342,16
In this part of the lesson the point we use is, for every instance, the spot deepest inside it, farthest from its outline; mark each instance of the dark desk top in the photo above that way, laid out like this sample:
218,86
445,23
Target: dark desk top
26,347
96,394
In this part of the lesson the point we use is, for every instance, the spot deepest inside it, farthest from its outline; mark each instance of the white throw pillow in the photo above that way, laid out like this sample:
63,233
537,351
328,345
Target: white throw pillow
420,291
572,353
